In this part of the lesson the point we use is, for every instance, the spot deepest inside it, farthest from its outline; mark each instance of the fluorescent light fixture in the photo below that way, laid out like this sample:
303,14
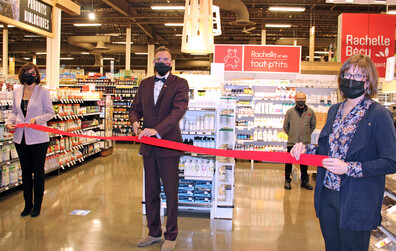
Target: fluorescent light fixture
85,53
87,25
29,35
108,58
66,58
110,34
199,54
391,12
285,8
26,58
349,1
41,53
167,7
9,26
315,57
173,24
278,25
141,53
91,16
178,35
321,52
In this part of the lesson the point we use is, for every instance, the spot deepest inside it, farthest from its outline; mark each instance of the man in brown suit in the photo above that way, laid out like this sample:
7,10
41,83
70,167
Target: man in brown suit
162,101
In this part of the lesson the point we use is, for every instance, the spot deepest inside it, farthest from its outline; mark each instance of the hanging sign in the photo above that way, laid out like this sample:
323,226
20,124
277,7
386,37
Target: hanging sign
369,34
34,15
259,58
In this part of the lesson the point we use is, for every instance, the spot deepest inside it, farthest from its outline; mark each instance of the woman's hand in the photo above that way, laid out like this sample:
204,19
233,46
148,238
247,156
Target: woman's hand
32,121
297,150
335,166
11,128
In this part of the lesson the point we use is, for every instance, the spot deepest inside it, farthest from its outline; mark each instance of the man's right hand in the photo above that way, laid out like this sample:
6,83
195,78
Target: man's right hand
11,128
297,150
135,128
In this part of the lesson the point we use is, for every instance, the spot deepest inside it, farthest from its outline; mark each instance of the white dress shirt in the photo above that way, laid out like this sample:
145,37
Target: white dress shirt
158,86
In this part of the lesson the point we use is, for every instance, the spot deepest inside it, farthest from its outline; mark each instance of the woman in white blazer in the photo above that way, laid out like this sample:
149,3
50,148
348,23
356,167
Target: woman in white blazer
31,104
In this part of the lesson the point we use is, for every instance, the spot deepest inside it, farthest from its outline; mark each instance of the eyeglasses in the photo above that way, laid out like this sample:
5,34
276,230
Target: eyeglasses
357,77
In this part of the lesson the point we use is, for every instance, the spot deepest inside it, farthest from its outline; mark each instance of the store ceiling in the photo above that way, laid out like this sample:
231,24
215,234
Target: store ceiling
148,28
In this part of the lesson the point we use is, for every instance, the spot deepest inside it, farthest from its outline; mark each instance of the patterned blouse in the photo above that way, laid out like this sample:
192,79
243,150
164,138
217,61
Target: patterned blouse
339,140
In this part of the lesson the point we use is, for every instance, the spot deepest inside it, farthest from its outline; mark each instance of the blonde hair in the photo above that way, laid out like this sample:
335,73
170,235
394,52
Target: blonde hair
366,65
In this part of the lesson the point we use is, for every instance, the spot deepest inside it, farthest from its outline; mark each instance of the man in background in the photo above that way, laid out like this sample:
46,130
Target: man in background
299,123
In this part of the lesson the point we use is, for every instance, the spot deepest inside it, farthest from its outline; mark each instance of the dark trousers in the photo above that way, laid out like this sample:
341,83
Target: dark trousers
303,169
329,218
168,170
32,159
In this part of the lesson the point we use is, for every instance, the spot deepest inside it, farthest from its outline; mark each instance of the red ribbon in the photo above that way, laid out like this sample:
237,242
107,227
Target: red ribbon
278,157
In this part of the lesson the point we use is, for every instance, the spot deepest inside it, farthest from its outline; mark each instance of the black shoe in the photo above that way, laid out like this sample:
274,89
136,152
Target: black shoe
35,212
287,184
306,185
26,211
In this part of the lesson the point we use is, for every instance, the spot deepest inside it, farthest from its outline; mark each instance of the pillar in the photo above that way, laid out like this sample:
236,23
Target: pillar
150,59
5,52
312,44
263,36
53,51
128,47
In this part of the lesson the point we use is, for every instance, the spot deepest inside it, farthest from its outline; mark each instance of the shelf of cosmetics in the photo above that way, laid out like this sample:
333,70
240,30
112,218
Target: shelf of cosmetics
11,173
207,142
192,191
260,122
299,81
68,111
100,81
264,135
73,125
275,109
204,123
260,148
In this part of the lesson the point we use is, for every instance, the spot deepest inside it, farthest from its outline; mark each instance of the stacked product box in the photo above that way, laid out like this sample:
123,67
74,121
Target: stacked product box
198,191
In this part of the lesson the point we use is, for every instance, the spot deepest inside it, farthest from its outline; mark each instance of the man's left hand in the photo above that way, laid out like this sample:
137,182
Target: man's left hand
148,132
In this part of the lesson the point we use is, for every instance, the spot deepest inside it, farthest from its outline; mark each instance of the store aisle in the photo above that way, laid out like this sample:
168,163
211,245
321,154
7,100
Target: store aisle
266,216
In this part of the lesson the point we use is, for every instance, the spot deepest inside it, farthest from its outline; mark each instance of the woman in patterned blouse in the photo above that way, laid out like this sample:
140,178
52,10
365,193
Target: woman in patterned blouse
360,141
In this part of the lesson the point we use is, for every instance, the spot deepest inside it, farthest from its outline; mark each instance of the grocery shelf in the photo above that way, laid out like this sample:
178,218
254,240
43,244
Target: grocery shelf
3,189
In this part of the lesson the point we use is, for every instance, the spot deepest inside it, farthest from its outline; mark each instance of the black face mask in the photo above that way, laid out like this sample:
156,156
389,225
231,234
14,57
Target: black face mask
300,104
162,68
29,79
352,88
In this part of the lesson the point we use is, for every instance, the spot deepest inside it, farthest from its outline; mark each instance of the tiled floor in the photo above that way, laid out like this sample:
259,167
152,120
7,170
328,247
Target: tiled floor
266,217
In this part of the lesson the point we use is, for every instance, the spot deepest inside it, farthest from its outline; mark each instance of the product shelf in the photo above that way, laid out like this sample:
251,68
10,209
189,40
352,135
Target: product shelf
3,189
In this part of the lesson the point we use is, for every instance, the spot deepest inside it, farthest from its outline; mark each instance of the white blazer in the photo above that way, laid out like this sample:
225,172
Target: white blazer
39,107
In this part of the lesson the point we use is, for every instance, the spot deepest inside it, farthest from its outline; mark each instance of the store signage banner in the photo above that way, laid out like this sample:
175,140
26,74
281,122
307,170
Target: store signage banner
259,58
369,34
31,15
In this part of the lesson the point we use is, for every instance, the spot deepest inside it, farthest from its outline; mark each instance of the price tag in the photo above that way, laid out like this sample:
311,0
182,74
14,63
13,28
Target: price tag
62,167
68,165
61,100
194,154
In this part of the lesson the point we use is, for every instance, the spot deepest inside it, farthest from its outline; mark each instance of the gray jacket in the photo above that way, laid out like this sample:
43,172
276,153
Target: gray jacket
299,129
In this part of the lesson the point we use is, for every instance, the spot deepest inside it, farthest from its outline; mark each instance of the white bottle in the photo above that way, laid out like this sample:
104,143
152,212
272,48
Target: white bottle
204,169
187,165
260,135
187,125
255,135
269,135
210,170
275,135
265,135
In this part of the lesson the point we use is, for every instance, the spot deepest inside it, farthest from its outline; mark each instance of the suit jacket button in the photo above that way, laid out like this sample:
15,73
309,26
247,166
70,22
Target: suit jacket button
154,118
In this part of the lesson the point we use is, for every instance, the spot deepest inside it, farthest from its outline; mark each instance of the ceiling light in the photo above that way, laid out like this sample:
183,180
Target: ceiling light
91,15
141,53
178,35
167,7
87,25
315,57
392,12
66,58
9,26
85,53
108,58
321,52
284,8
349,1
278,25
41,53
26,58
173,24
31,35
110,34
